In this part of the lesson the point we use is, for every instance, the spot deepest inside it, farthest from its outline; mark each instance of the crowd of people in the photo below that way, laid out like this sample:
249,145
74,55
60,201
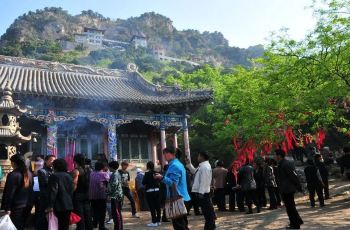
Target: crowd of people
49,187
92,192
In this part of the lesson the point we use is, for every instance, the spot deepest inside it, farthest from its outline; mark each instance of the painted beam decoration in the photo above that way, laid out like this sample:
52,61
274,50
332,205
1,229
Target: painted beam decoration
169,120
109,121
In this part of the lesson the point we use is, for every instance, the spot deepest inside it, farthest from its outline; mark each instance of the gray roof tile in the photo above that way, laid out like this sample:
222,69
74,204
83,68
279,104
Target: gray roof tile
64,80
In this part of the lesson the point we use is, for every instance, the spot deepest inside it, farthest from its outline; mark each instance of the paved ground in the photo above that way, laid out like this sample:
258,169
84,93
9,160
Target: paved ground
336,215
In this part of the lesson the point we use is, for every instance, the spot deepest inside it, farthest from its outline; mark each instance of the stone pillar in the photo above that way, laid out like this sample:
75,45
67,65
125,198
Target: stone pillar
162,141
175,141
163,138
51,142
186,139
105,142
154,148
112,141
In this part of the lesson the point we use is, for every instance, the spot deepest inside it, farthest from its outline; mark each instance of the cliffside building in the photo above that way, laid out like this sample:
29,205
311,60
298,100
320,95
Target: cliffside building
91,38
94,36
158,51
139,41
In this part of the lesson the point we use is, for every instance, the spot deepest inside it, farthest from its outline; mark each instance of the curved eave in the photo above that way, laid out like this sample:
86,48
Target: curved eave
14,110
15,139
198,99
51,79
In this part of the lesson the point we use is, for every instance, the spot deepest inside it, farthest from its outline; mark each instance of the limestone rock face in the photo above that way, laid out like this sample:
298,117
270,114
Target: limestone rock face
57,24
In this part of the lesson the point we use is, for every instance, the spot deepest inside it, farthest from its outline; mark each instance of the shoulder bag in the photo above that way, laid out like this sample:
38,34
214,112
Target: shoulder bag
175,204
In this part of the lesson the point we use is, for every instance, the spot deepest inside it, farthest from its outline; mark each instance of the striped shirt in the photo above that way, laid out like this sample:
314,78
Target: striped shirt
98,185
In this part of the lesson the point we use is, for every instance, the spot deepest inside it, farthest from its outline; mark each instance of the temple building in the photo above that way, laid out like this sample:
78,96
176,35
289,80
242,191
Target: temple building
81,109
139,41
91,39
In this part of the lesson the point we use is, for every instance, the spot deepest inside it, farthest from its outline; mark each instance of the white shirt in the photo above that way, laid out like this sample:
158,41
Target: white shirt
36,184
202,177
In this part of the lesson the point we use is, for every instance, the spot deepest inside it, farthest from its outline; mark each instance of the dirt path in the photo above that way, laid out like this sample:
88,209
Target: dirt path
336,215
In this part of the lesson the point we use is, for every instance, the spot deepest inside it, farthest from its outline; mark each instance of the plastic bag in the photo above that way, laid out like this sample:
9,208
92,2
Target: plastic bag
53,221
74,218
6,223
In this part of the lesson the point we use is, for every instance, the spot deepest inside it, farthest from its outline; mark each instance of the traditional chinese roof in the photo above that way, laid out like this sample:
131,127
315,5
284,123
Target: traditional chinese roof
53,79
86,29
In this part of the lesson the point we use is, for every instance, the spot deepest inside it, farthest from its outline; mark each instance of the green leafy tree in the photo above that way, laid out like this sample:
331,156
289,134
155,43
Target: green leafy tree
299,84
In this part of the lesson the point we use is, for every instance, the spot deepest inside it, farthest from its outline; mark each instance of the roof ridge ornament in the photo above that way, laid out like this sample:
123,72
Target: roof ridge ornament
7,89
57,66
6,100
177,86
158,86
132,67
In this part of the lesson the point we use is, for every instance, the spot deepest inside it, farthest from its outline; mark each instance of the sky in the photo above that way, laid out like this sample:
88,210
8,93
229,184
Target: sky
242,22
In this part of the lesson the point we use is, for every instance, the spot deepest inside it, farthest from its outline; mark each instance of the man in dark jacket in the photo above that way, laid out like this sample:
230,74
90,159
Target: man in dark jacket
270,182
60,194
277,190
288,185
324,174
314,183
248,186
344,162
43,178
260,184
